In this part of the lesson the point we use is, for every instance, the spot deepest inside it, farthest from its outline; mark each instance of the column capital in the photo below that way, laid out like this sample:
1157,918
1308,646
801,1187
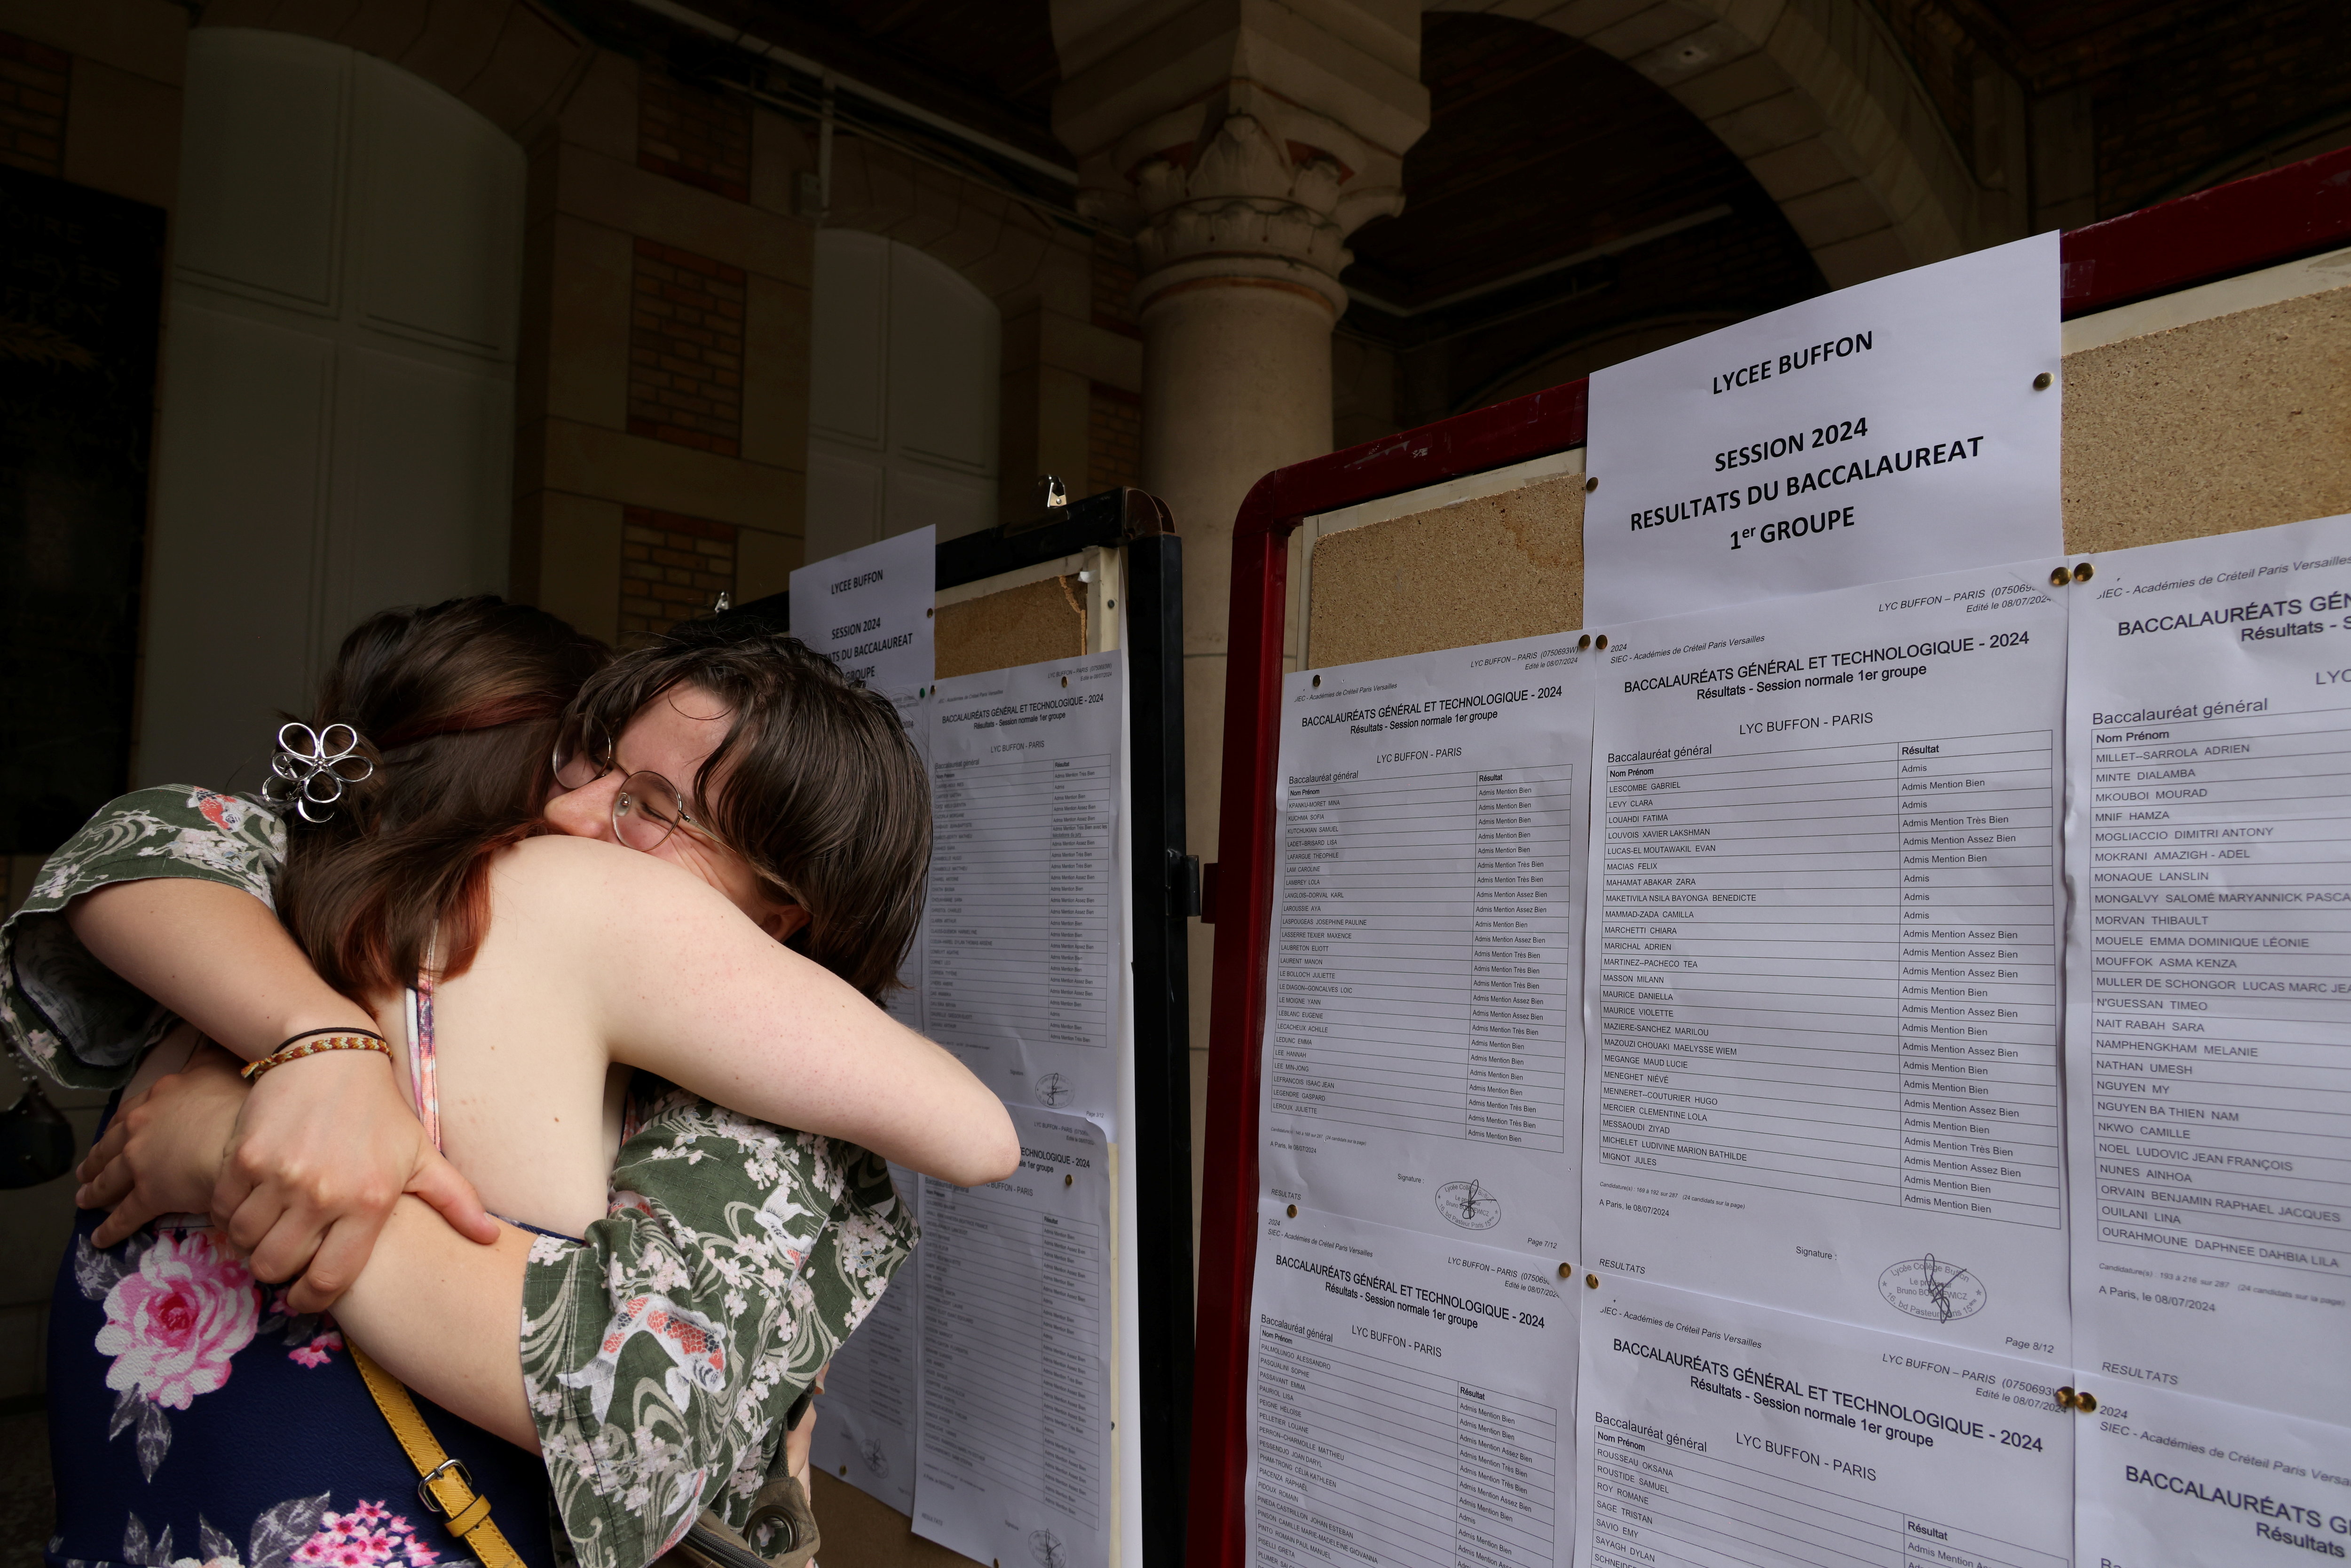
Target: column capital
1238,141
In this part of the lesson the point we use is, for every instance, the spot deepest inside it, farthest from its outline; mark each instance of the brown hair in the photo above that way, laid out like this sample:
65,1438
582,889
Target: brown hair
457,705
817,785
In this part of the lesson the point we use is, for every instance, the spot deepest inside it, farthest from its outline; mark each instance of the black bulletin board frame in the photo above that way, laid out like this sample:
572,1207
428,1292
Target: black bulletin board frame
1164,890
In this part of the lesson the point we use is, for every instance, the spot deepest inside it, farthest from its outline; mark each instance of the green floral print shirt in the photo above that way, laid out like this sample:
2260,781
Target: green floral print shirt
662,1351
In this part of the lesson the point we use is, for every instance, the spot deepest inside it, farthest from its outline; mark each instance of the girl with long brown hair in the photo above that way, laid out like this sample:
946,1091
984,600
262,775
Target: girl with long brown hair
543,969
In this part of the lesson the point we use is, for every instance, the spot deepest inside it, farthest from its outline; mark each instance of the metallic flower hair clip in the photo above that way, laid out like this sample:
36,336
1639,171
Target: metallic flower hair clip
312,768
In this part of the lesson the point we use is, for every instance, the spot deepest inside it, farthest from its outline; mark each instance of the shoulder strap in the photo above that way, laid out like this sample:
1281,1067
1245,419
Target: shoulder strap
446,1489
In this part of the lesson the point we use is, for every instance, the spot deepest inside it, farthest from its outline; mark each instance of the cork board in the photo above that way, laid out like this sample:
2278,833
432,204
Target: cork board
1480,571
2240,420
2236,422
1023,625
860,1532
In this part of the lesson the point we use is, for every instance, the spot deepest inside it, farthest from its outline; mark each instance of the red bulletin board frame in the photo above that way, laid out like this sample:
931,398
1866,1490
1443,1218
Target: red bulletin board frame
2248,224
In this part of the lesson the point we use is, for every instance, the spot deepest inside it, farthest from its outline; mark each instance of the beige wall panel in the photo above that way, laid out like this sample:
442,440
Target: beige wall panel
1024,625
567,455
619,196
775,374
589,268
764,563
1480,571
122,133
2236,422
579,560
860,1532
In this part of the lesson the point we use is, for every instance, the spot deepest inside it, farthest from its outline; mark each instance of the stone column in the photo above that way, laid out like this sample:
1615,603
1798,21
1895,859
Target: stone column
1239,142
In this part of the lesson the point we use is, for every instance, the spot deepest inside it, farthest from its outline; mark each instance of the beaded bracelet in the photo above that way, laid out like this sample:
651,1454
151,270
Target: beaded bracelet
311,1041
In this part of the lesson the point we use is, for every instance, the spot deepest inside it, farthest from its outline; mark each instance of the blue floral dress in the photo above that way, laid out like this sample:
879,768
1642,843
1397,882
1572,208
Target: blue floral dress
195,1420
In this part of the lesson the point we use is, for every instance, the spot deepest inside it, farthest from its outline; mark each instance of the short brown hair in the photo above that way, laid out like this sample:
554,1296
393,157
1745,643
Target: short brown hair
817,785
457,706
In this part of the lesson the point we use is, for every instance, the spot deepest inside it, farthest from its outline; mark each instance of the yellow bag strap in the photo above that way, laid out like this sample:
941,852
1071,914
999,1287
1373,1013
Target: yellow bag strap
444,1488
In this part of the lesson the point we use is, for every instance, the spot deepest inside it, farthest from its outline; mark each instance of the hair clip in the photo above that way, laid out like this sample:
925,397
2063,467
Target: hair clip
314,770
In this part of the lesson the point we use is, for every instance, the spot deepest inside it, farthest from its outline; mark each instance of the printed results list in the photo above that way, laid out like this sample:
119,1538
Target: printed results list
1363,1460
1012,1388
1422,955
1833,969
1663,1504
1019,935
2221,921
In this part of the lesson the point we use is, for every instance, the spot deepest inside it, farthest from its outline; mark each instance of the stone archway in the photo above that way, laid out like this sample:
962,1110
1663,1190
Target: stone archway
1814,97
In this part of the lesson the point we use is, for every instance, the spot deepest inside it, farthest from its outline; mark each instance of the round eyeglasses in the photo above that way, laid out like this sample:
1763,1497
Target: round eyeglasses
647,808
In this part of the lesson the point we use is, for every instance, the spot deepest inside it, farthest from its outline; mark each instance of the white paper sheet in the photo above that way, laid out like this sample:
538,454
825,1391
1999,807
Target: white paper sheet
1423,1042
1022,962
905,1004
1823,958
2167,1480
2210,1000
868,609
1015,1464
1409,1398
870,1410
1720,1434
1885,431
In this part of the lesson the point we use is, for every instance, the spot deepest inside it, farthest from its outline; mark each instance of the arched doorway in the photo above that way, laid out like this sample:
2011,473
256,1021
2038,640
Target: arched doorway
902,395
338,406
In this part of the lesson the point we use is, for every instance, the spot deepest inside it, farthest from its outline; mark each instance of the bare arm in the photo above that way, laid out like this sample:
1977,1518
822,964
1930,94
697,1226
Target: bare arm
326,1146
445,1316
686,987
214,956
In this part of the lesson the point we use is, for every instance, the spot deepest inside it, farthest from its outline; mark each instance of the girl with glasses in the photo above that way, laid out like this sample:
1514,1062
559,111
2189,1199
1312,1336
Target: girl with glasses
542,995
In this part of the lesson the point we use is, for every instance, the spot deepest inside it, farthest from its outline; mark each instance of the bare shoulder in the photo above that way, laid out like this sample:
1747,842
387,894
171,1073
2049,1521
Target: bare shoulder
580,882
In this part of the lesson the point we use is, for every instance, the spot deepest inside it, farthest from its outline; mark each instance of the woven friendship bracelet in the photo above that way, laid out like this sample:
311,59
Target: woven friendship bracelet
310,1042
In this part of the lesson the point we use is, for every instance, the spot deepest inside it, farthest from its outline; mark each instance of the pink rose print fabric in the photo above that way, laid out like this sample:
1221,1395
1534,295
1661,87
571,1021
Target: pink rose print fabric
172,1326
178,1308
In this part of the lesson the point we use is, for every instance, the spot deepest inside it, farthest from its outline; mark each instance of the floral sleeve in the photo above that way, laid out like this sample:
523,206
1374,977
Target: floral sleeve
63,1009
662,1351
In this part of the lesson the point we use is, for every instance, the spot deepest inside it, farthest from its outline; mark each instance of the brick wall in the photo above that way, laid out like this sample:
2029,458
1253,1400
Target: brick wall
685,349
694,136
33,80
672,568
1113,438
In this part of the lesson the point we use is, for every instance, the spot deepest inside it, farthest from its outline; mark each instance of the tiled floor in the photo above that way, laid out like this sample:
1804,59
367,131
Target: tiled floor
27,1504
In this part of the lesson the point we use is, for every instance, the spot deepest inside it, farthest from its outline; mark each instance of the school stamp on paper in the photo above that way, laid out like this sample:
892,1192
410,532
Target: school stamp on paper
1932,1288
1469,1205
